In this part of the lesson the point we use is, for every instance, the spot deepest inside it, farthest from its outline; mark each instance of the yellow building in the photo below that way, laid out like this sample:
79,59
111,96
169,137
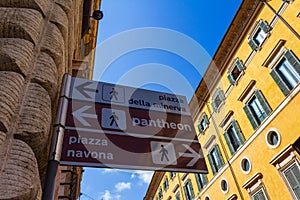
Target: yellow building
246,111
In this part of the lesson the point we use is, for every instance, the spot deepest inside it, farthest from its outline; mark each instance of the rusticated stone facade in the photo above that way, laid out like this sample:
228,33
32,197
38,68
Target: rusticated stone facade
38,41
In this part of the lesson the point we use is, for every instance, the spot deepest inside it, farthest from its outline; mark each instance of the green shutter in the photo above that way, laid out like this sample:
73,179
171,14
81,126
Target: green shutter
239,64
264,26
230,78
238,132
281,84
293,60
263,102
213,105
200,127
219,156
192,190
205,119
211,164
228,143
185,192
198,181
204,179
221,95
250,116
252,44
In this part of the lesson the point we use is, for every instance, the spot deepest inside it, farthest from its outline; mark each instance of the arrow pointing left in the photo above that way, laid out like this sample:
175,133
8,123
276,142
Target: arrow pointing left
196,156
80,115
83,89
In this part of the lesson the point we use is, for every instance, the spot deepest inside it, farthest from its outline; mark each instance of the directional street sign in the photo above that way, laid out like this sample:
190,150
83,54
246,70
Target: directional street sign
101,118
108,125
120,151
99,92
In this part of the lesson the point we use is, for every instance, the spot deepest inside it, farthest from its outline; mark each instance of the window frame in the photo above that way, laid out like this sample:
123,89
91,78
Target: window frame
293,65
260,26
237,64
188,190
204,120
165,184
214,155
201,180
251,112
238,136
220,97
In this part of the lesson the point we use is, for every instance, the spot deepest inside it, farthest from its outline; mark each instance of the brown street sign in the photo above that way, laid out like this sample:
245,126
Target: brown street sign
103,118
127,152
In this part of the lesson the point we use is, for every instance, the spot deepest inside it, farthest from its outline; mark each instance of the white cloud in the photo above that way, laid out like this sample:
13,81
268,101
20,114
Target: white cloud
143,176
123,186
108,196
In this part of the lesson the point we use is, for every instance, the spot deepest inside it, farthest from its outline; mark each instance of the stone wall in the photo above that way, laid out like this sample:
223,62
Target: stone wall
36,49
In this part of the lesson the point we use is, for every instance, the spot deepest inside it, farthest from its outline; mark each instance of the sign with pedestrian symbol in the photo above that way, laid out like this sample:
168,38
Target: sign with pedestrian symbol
107,125
163,153
114,119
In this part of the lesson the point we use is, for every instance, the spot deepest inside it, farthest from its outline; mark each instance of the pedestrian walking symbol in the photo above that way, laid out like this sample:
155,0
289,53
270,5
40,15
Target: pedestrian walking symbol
112,93
163,153
113,119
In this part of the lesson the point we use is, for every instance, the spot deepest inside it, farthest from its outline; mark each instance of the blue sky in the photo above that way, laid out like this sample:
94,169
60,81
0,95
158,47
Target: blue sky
159,45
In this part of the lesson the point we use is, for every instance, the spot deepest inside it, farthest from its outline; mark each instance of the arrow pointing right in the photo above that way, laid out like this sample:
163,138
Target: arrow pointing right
83,89
79,115
196,156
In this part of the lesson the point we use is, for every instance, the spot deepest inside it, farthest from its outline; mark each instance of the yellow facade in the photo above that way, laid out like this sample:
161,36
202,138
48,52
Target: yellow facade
261,163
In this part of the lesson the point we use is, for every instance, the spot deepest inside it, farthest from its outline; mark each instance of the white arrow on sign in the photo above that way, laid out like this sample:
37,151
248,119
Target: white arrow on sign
79,115
196,156
83,89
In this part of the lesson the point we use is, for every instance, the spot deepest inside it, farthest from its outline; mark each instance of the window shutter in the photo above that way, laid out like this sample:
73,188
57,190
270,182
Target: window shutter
221,95
263,102
211,164
239,64
213,105
250,116
289,55
205,119
252,44
281,84
228,143
230,78
191,187
200,127
264,26
204,179
198,180
219,156
185,192
238,132
293,177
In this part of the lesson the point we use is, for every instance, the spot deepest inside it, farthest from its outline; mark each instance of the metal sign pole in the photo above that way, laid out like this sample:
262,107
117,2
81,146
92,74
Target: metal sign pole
57,140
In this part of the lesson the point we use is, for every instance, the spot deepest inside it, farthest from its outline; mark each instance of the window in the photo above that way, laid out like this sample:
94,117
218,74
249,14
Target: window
177,196
287,163
259,35
236,71
286,73
224,186
273,138
203,123
218,98
172,175
165,184
233,136
260,195
257,109
188,190
292,174
160,193
215,159
256,188
201,180
246,165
